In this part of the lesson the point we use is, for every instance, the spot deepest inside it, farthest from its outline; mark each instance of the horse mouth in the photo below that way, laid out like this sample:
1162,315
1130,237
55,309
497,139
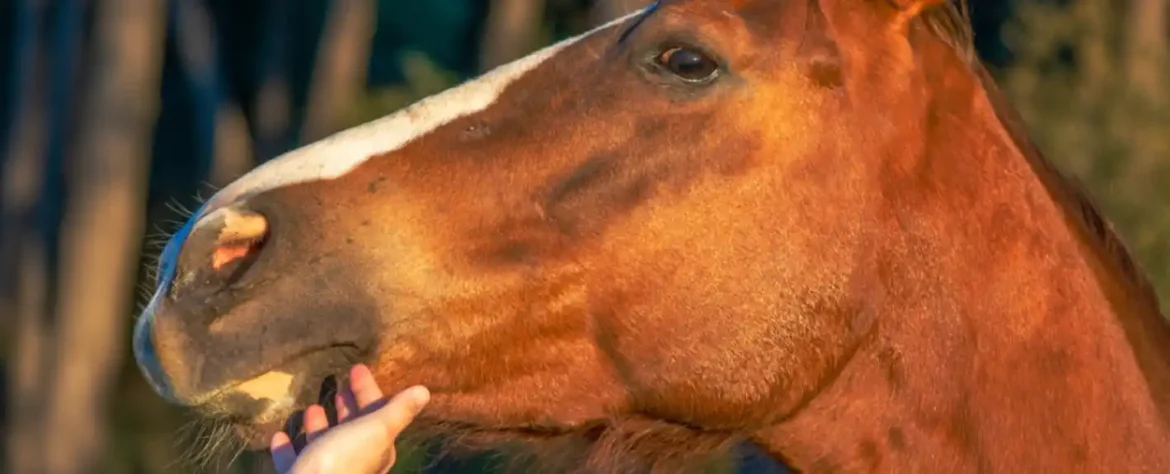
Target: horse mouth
275,400
257,433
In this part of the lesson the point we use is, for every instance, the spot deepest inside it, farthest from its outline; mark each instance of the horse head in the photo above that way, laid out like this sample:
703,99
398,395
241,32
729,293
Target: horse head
801,223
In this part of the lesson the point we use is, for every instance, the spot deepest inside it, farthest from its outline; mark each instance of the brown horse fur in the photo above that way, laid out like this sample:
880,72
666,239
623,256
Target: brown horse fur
844,249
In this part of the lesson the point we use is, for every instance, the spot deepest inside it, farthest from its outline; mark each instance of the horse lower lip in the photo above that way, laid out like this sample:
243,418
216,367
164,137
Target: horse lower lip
256,430
256,437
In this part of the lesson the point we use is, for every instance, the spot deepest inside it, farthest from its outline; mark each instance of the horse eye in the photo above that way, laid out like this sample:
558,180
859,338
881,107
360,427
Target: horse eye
688,64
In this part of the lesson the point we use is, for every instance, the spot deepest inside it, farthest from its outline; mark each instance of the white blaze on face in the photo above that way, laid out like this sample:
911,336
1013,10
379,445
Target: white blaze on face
328,159
335,156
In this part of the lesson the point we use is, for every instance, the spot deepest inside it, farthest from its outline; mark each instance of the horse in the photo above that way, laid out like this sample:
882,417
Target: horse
813,226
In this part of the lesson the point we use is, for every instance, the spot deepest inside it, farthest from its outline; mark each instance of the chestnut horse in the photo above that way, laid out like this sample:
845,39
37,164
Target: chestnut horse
810,225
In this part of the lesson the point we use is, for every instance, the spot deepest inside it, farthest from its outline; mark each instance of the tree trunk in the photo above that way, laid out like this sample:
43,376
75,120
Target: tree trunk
102,229
1145,43
339,74
27,360
220,123
272,107
511,31
24,145
233,146
23,258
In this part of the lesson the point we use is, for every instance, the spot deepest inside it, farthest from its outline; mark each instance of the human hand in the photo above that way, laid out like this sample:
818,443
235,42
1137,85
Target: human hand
363,440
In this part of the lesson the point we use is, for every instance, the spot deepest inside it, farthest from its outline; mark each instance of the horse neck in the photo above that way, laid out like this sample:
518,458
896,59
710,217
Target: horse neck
1007,337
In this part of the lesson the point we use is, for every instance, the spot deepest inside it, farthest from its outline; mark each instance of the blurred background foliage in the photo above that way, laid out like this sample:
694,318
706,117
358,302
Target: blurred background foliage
116,115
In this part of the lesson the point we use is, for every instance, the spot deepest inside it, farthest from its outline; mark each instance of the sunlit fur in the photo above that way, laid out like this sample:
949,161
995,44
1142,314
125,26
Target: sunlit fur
846,253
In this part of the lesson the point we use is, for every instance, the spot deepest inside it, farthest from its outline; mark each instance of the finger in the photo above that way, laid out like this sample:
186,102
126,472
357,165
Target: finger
401,410
283,454
346,404
389,464
366,442
316,422
365,389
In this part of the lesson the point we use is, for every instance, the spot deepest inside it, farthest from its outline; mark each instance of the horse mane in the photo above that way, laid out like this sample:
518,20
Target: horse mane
951,23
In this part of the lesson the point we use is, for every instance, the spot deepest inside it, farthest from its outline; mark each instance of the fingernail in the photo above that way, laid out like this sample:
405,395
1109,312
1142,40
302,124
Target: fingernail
419,395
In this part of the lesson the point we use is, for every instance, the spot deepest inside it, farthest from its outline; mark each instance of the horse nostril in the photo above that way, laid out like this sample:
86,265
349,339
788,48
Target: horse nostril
223,245
242,235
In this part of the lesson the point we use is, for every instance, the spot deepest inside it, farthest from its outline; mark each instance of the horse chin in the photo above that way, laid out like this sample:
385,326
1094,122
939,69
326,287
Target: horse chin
257,437
256,433
275,401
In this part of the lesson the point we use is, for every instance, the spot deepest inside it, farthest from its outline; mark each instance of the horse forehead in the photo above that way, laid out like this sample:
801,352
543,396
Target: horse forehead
343,152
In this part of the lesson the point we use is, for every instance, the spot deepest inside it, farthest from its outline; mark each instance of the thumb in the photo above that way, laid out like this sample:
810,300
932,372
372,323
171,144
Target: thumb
401,410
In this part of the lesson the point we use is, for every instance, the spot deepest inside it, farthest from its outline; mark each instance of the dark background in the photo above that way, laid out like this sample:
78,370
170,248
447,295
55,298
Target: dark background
116,115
